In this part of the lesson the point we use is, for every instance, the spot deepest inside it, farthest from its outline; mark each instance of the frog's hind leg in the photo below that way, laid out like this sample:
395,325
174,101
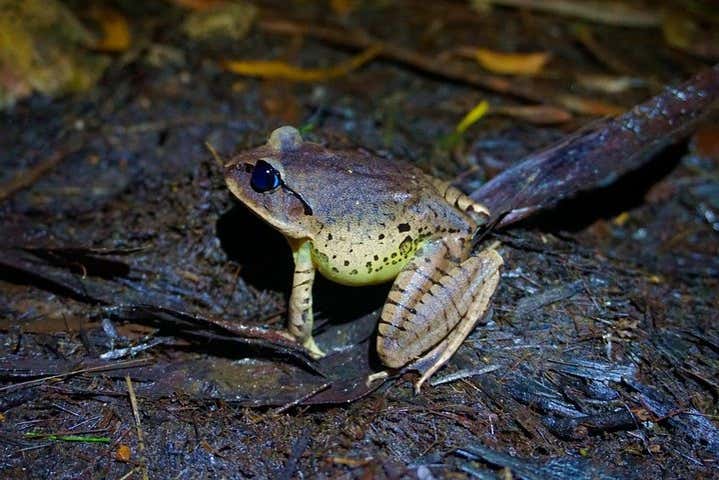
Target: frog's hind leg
434,304
456,197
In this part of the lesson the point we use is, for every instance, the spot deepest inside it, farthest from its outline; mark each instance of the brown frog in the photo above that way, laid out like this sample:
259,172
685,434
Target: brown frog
360,219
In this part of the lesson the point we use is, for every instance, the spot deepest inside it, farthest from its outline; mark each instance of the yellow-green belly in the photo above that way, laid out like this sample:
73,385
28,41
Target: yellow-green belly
365,269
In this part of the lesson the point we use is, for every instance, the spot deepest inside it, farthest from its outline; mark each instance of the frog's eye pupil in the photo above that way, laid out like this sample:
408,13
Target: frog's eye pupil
264,177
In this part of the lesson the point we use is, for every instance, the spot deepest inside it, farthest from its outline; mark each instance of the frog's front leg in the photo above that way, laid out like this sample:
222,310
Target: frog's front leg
434,303
300,311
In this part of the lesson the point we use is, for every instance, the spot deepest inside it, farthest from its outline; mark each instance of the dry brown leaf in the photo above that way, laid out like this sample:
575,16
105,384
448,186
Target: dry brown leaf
271,69
115,30
123,453
511,63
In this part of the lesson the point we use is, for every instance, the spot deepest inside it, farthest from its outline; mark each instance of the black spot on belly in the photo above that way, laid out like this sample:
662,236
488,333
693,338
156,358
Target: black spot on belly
376,257
329,236
403,227
405,248
347,263
381,236
353,272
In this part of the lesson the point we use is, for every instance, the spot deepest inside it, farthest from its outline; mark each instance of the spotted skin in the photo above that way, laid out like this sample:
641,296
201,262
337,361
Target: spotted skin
359,220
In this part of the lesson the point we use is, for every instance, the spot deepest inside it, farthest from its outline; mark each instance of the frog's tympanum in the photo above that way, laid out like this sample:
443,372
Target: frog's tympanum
360,219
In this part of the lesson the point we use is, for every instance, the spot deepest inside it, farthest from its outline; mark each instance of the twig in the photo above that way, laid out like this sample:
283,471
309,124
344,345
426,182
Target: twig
101,368
360,40
297,401
138,426
464,374
609,13
24,179
130,473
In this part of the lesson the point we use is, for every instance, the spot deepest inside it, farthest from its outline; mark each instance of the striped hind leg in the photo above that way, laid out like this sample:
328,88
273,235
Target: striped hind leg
456,197
433,305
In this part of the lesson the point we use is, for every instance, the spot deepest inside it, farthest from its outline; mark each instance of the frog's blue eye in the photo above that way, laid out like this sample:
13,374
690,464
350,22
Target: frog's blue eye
264,177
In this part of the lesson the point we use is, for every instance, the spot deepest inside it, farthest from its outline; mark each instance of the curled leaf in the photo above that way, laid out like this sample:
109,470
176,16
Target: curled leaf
281,70
511,63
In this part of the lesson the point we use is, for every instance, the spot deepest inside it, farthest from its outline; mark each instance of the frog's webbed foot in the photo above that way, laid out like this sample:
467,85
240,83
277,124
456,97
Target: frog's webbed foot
433,305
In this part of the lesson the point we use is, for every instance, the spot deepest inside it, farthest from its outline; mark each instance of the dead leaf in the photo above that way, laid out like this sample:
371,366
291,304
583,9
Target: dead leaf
123,453
511,63
281,70
115,29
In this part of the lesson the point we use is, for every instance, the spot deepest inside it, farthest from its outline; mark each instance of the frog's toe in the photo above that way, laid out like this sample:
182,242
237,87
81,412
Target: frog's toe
376,377
312,347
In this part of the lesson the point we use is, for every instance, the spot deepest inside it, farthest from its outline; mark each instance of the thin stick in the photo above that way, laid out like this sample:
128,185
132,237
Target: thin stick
297,401
464,374
24,179
101,368
138,426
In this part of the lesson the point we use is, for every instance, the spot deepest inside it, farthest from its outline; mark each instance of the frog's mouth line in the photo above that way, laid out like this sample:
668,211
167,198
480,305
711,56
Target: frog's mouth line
305,204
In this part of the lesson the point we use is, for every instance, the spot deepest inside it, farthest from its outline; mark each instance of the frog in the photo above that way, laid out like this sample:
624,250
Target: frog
358,219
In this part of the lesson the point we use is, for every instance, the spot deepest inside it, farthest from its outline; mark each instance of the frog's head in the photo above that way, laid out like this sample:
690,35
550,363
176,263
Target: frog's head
257,179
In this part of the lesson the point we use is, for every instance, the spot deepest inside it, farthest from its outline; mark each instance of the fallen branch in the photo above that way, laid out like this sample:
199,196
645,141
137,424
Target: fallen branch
595,157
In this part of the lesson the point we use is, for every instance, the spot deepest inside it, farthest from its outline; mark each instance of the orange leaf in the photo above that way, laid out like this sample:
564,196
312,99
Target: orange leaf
123,453
115,30
512,63
281,70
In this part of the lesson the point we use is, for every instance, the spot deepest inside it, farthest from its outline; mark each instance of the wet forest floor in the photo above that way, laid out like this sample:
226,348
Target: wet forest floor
128,272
